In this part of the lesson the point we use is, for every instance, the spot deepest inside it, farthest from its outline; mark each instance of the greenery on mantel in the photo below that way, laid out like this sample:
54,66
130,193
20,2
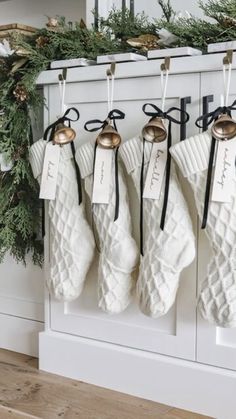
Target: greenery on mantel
26,57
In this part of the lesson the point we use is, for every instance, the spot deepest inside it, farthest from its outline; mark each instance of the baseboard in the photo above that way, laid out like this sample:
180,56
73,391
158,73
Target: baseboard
19,334
175,382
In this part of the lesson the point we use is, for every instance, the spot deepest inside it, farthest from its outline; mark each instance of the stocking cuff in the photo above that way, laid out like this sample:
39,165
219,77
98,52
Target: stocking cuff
192,155
36,155
84,158
131,153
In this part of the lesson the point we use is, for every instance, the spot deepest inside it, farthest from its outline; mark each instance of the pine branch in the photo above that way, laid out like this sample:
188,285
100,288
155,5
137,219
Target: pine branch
167,9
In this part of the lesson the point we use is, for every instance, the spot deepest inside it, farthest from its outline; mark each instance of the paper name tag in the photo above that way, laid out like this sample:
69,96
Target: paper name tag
102,176
50,171
224,174
156,171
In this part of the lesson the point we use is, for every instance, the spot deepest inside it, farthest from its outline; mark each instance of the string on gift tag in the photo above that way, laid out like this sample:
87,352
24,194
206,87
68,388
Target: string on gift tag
108,139
160,113
110,86
165,68
227,68
49,137
113,116
62,90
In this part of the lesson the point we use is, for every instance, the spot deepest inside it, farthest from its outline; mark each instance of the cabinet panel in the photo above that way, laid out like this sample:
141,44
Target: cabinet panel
21,290
215,345
173,334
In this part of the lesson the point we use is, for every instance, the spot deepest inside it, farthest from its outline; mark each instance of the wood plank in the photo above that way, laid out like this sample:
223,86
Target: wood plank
35,394
183,414
7,413
17,26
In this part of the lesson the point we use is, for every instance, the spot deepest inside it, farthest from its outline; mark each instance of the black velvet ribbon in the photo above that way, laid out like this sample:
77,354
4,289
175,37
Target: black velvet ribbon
49,134
156,112
113,115
204,121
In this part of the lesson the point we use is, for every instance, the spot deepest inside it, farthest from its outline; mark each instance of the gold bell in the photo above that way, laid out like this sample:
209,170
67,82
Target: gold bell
154,131
63,135
224,128
109,137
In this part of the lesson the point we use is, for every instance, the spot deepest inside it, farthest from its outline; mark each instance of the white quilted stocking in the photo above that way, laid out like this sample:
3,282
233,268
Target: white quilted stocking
217,300
119,253
72,242
166,252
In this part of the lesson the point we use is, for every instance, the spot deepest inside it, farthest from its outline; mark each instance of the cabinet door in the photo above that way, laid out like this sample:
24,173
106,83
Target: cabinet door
21,306
215,345
173,334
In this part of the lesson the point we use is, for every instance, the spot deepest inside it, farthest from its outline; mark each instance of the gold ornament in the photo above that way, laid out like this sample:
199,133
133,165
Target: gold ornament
41,41
144,42
20,93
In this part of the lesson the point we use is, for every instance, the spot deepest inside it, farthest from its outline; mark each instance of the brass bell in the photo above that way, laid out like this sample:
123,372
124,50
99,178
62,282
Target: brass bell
109,137
63,134
224,128
155,130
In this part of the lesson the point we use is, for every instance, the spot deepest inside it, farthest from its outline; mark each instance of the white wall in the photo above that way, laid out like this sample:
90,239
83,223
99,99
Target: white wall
152,8
34,12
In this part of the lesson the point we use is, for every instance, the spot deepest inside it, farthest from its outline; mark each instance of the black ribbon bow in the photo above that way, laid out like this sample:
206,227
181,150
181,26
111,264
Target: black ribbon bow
158,113
50,131
112,116
204,121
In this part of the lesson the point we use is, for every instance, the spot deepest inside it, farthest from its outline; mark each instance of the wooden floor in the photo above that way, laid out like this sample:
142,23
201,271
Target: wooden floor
28,393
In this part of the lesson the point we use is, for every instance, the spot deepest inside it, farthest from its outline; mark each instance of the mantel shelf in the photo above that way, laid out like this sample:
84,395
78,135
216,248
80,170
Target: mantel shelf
179,65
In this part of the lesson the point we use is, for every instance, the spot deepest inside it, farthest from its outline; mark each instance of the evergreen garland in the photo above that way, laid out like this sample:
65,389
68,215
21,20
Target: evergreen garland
19,98
19,204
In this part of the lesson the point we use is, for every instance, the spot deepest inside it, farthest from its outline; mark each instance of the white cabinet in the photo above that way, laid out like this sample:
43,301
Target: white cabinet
215,345
21,306
170,334
160,359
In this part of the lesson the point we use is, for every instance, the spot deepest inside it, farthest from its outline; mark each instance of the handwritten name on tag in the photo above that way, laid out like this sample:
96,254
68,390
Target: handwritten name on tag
50,171
224,175
102,176
156,171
